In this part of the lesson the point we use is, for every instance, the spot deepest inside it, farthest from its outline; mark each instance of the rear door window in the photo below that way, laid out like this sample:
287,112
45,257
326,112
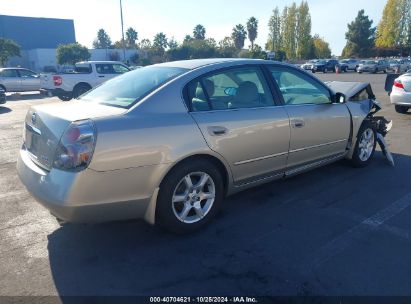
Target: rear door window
9,73
234,88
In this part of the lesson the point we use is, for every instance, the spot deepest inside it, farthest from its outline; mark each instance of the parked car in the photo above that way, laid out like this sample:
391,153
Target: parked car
399,65
167,142
401,93
325,65
373,66
349,64
19,80
2,96
86,76
309,64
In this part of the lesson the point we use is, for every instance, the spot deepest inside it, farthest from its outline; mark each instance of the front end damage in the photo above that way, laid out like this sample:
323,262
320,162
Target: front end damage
362,105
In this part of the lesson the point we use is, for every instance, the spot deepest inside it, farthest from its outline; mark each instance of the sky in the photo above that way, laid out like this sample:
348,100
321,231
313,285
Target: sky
177,18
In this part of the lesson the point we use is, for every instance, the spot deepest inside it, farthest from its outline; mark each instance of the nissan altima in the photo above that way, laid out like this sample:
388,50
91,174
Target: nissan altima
168,142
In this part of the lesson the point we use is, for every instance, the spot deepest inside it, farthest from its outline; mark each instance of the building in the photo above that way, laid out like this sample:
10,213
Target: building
37,37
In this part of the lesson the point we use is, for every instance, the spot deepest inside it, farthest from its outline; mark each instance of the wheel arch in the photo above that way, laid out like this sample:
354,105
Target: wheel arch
2,86
215,160
83,83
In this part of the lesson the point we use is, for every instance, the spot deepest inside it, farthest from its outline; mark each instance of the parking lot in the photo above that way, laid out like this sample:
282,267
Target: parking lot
332,231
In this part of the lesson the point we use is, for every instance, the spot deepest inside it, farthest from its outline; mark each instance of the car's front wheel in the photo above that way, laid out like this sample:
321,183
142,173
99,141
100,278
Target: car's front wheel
401,109
189,196
365,145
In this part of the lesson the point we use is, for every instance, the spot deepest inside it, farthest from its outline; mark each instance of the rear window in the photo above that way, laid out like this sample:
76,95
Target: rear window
125,90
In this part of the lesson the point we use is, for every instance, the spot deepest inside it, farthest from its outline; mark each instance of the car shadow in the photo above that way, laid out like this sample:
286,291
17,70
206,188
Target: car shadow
4,110
25,96
254,246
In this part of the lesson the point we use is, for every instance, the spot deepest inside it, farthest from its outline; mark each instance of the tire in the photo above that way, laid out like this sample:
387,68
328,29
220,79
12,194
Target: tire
384,71
367,136
80,89
3,88
401,109
313,71
65,97
325,70
190,211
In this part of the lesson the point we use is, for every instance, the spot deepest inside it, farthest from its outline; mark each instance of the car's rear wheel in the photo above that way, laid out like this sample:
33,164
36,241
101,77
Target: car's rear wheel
401,109
2,87
80,89
365,145
189,196
325,70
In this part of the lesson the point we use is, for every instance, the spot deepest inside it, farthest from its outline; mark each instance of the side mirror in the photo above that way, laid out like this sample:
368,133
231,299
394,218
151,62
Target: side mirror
340,98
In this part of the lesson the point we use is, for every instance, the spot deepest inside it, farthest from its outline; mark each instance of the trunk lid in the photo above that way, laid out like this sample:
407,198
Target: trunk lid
45,124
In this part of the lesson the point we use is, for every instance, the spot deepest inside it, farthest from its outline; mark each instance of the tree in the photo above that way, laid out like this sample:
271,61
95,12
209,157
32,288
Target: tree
388,30
72,53
252,30
131,37
289,22
160,41
187,39
303,32
238,35
172,43
145,44
8,49
274,27
199,32
360,37
394,29
321,48
226,48
102,41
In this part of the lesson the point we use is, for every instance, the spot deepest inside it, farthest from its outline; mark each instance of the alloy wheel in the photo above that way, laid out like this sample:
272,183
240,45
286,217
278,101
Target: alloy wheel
193,197
366,144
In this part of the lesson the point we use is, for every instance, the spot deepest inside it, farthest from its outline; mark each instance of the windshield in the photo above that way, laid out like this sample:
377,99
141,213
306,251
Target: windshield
123,91
321,62
370,62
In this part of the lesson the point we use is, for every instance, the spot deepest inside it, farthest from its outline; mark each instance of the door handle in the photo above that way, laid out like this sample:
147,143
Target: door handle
217,130
298,123
101,76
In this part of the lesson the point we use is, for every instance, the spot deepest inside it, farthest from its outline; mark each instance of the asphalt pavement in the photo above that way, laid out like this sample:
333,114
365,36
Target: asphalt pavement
332,231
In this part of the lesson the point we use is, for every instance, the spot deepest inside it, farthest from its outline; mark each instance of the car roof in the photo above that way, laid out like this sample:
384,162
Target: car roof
197,63
99,61
14,69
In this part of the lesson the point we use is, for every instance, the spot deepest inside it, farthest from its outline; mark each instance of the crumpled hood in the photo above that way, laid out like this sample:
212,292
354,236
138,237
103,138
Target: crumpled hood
349,89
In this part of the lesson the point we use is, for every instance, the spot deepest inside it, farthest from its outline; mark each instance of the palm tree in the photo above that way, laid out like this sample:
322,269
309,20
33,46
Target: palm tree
131,37
160,41
199,32
252,29
238,35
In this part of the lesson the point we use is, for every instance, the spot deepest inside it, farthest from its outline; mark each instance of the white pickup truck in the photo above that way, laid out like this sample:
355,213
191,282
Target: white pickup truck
86,75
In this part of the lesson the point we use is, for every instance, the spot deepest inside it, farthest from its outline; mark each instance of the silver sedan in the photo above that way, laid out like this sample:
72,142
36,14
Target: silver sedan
19,80
401,93
168,142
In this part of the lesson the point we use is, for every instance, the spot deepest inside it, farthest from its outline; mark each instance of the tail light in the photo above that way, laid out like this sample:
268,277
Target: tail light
76,147
398,84
57,80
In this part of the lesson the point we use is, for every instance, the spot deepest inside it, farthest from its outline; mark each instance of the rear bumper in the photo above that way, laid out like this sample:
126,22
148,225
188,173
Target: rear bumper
89,196
400,97
55,92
